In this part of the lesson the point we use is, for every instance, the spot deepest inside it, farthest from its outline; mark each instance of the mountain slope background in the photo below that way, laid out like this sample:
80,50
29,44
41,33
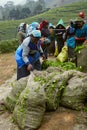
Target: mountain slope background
58,3
8,29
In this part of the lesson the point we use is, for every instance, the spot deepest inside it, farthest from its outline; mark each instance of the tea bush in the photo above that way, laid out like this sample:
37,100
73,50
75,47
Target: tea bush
7,46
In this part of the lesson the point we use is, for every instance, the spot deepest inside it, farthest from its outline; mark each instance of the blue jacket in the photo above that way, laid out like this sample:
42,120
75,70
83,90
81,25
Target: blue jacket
81,32
27,53
71,42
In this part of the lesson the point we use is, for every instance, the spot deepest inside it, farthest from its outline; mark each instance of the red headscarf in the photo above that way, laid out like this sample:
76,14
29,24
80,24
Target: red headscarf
82,14
43,23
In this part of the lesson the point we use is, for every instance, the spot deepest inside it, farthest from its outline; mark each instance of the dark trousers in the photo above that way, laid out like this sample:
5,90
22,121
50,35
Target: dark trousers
72,55
51,47
60,44
23,72
45,50
78,43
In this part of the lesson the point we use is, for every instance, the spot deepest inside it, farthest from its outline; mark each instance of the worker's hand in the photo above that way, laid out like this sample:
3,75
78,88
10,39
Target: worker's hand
29,67
43,57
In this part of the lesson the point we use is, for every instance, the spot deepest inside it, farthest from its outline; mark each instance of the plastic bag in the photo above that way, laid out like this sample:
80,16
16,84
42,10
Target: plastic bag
63,56
56,49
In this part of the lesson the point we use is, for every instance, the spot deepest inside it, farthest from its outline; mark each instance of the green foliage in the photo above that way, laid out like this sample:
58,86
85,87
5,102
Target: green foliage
40,79
43,80
11,103
85,109
78,48
8,46
8,29
51,88
65,65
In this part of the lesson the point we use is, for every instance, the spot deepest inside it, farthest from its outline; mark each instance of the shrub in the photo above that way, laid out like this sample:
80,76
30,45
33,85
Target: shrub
7,46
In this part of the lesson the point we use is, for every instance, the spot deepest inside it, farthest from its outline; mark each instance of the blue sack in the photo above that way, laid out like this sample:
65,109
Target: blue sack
71,42
18,56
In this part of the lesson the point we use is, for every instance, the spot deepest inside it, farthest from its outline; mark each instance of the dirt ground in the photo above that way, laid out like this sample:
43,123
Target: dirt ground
7,66
61,119
64,119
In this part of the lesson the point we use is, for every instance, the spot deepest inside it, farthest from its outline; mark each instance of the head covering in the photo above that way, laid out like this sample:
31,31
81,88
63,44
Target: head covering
36,33
79,19
31,27
21,27
35,24
82,14
51,25
60,23
43,23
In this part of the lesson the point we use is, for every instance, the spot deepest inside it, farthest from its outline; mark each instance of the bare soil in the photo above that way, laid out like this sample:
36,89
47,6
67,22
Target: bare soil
7,66
61,119
64,119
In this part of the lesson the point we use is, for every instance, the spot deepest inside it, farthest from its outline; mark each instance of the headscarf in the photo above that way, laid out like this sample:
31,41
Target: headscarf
36,33
21,27
31,27
43,24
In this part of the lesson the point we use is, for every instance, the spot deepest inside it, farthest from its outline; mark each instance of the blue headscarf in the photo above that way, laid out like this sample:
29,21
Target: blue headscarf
31,27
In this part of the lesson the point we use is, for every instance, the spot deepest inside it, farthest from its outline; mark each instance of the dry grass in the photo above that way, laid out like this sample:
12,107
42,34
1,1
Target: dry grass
7,66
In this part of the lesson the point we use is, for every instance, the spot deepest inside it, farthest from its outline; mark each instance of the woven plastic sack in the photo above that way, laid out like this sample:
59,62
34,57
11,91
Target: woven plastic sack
30,108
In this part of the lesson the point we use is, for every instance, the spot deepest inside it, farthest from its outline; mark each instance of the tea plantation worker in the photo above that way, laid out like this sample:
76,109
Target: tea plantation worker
80,31
52,37
70,42
21,35
28,55
45,34
59,31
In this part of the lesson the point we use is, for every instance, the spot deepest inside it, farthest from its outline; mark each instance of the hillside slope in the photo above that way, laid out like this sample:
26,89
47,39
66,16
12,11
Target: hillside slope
58,3
8,29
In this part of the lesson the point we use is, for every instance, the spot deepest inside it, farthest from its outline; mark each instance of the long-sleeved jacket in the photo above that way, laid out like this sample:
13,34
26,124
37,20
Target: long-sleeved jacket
27,52
81,33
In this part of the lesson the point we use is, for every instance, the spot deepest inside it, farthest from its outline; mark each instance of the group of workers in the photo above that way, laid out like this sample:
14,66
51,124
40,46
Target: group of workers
40,39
